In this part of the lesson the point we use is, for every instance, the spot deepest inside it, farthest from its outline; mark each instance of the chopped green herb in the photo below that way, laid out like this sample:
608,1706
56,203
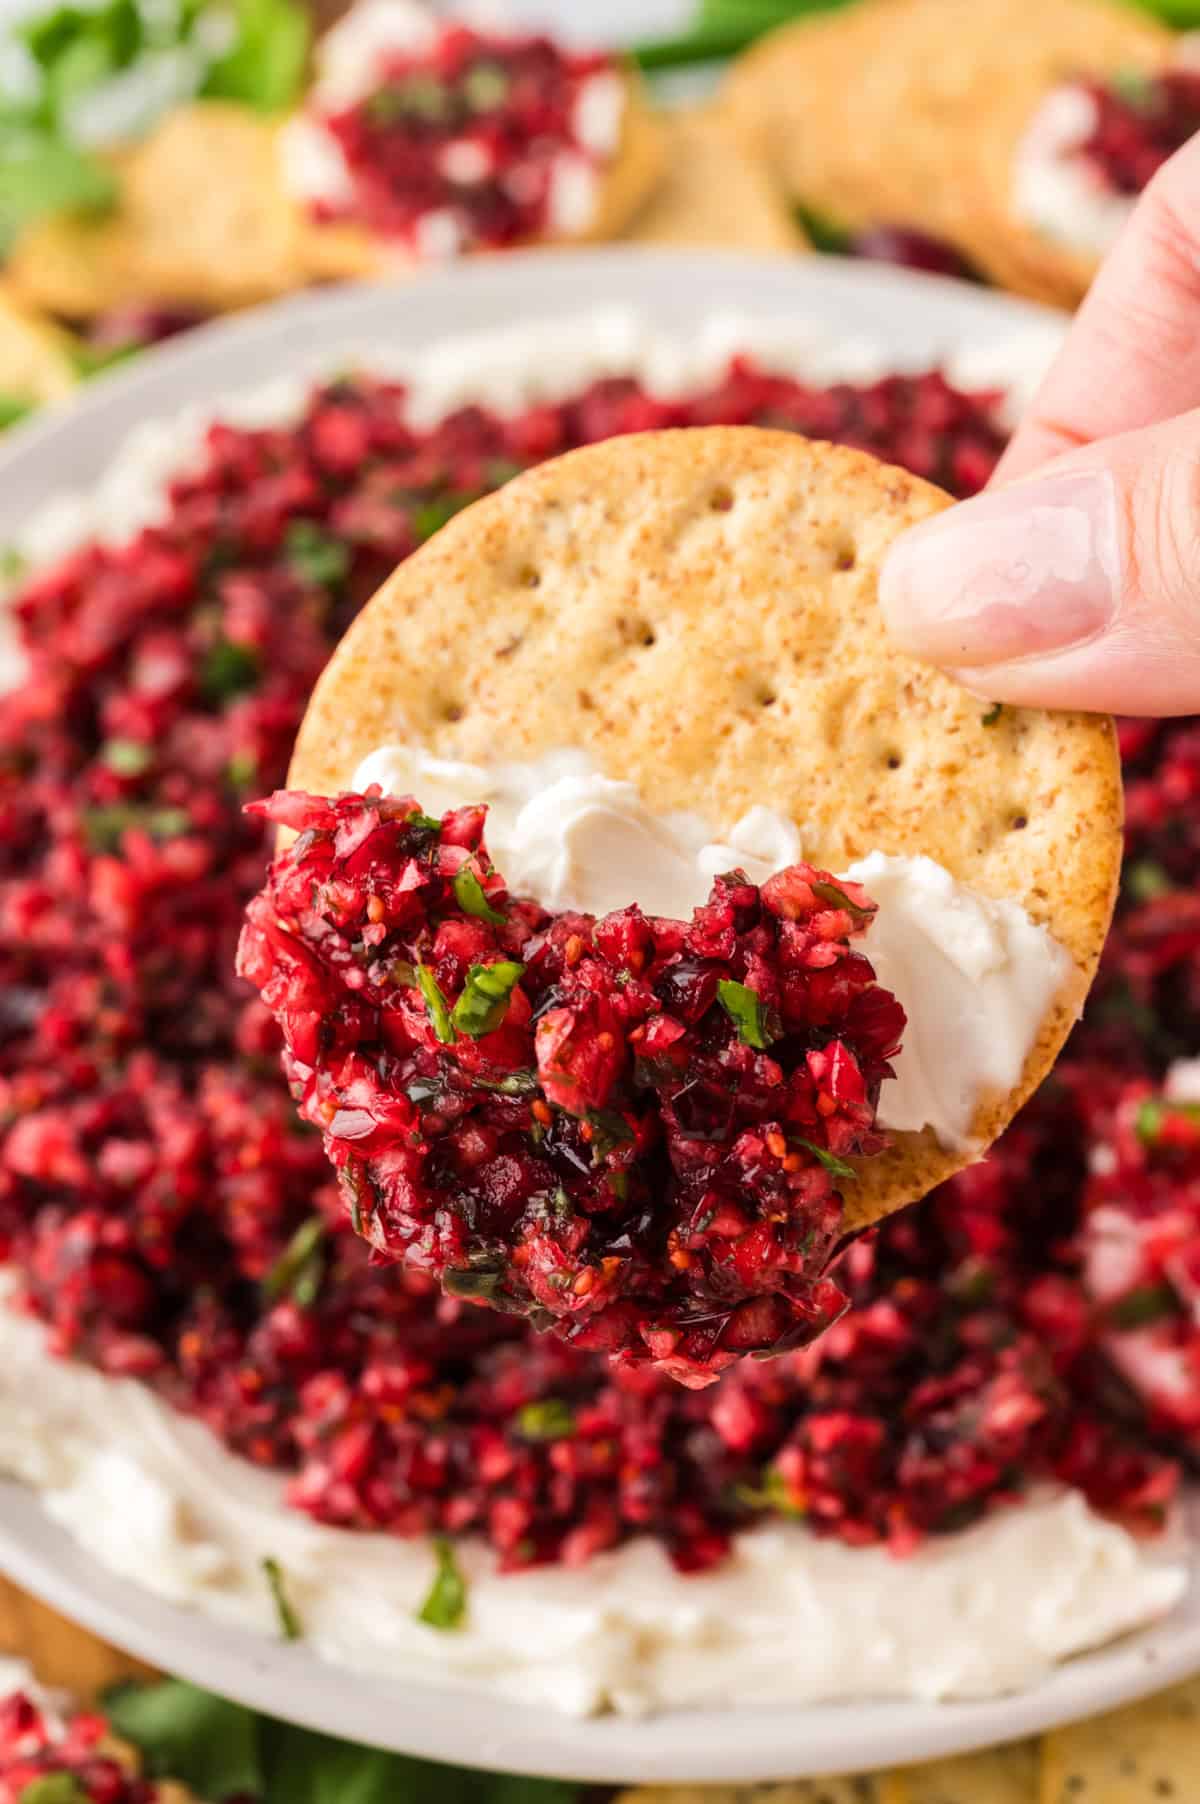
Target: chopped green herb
53,1788
992,716
446,1605
609,1130
1138,1308
823,233
771,1493
13,408
485,87
549,1419
471,897
837,1167
1154,1113
355,1180
13,564
435,1002
242,769
128,757
1135,86
485,997
315,555
1146,881
427,823
264,67
479,1282
414,97
299,1271
745,1009
513,1083
227,669
105,826
289,1623
431,516
836,897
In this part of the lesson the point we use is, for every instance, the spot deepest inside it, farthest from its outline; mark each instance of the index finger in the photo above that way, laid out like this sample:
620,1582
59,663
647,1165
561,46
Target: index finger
1132,356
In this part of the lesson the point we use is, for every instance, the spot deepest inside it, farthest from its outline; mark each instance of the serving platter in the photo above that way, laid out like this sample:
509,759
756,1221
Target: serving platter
916,321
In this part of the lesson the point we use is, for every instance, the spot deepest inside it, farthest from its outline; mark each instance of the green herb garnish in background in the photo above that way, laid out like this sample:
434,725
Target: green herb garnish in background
289,1622
84,77
445,1607
315,556
547,1419
436,1005
13,408
299,1271
53,1788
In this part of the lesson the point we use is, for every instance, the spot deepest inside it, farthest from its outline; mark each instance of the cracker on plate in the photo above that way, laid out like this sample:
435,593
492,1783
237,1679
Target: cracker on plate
995,1776
698,611
1143,1754
716,190
891,110
202,219
342,250
36,364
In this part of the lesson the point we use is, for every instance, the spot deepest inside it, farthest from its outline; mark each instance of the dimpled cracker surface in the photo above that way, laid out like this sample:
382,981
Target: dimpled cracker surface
1148,1753
996,1776
698,610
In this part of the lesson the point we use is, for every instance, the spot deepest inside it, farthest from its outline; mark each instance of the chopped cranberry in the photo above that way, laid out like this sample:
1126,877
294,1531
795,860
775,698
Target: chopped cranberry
511,1104
34,1751
910,249
1141,120
464,146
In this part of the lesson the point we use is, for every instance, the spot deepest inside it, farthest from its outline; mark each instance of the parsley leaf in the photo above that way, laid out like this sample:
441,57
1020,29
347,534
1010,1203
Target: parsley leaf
53,1788
13,409
472,899
431,516
105,826
436,1005
264,68
547,1419
299,1271
832,1164
289,1622
227,669
834,896
445,1607
745,1009
1154,1113
484,1001
315,555
128,757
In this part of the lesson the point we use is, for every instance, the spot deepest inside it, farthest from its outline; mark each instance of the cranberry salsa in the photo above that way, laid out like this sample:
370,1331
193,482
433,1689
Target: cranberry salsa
476,141
1140,121
629,1130
44,1762
168,1217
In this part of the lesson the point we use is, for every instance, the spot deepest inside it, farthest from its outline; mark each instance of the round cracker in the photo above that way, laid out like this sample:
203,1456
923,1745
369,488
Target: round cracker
343,250
716,190
698,610
36,361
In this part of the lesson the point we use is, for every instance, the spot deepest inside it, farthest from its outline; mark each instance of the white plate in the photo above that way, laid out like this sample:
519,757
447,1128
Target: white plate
919,319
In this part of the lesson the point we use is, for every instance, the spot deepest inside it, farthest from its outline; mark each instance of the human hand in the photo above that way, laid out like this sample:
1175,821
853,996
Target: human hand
1074,581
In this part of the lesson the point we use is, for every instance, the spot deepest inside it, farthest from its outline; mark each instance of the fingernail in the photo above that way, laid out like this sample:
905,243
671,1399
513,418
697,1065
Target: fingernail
1023,570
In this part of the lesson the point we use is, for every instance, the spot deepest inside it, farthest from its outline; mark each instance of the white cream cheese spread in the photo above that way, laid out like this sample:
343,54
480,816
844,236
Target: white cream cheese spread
976,977
1054,189
788,1619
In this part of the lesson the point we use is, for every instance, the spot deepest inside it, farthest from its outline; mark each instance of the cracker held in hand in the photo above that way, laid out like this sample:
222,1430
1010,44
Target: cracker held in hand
698,612
907,113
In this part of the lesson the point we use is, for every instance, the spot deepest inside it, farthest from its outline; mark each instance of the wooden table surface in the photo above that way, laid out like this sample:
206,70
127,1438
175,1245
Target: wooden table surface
59,1652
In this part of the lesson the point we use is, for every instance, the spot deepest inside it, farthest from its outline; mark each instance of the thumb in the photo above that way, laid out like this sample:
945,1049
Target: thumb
1077,587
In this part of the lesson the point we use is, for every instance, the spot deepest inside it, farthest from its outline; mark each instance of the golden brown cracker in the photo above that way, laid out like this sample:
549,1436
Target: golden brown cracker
36,364
202,219
881,113
716,190
698,610
1143,1754
995,1776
